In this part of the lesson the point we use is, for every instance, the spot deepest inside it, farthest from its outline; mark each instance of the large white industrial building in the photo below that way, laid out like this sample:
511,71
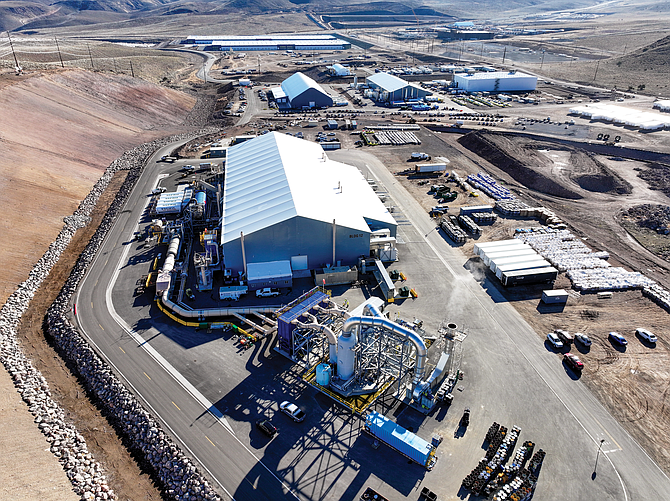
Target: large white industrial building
495,81
385,87
284,200
300,91
269,42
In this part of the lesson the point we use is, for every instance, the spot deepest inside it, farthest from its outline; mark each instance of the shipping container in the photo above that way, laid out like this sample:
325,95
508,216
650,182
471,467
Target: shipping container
476,208
525,265
500,254
436,167
558,296
498,243
525,277
502,248
398,438
509,260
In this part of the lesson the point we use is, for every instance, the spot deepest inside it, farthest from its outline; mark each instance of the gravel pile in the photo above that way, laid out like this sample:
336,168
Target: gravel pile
179,477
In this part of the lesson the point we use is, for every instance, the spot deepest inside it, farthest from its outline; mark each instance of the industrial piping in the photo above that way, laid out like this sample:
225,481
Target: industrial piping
207,313
332,338
377,320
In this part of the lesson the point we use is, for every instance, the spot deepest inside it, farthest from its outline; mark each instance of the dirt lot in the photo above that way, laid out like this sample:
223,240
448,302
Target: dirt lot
126,477
632,383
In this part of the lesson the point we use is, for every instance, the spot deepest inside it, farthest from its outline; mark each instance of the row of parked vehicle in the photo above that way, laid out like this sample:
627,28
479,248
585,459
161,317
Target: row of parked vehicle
288,408
561,338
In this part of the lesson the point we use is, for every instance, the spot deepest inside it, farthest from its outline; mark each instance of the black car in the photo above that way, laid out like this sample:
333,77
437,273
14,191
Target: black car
465,419
266,427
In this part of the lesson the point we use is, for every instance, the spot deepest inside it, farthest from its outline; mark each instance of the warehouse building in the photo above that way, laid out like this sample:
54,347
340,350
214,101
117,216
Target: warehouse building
449,34
384,87
495,81
299,92
339,70
268,42
285,201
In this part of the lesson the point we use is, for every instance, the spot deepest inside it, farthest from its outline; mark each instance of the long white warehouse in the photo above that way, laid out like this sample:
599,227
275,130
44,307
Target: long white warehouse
495,81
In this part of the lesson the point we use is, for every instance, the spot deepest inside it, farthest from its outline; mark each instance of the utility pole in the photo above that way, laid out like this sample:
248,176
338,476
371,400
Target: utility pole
542,62
59,54
16,62
596,72
114,60
132,72
90,56
597,455
504,54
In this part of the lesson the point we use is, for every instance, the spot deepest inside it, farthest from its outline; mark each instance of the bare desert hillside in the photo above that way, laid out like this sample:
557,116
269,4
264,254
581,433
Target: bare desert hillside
59,131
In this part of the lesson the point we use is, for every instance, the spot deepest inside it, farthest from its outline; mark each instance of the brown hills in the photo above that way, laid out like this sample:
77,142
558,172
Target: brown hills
59,131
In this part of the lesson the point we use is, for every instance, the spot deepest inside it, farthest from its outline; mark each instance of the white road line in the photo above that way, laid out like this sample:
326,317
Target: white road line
199,397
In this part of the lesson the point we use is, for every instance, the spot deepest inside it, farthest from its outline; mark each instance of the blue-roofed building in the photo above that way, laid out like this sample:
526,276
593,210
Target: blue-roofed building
299,92
384,87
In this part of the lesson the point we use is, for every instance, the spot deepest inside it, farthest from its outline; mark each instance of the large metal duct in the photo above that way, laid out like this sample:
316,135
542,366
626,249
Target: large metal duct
333,310
332,338
207,313
352,325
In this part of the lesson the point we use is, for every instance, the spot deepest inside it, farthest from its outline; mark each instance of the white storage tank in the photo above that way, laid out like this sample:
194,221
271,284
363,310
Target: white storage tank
323,374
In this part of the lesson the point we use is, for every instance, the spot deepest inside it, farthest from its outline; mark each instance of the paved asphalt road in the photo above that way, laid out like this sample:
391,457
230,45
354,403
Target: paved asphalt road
204,434
510,377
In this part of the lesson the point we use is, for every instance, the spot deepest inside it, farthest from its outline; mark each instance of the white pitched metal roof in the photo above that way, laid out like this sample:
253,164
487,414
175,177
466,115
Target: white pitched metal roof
492,75
298,83
278,92
275,177
388,82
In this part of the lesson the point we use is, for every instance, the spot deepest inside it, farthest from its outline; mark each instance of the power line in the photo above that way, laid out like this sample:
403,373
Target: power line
13,53
59,54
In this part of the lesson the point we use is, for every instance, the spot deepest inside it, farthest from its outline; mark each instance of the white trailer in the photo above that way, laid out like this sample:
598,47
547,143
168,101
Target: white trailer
525,265
510,260
232,293
426,168
493,256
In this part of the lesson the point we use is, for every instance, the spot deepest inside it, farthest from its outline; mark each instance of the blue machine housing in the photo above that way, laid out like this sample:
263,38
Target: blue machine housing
285,327
397,437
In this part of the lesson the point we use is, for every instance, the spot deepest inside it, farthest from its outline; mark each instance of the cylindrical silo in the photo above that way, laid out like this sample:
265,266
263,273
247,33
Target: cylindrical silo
345,355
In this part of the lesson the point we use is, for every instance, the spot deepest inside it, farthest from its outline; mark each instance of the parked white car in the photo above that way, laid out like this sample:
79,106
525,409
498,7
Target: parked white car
554,340
292,410
645,334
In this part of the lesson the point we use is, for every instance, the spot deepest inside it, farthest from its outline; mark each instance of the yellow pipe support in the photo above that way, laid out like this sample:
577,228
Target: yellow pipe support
197,324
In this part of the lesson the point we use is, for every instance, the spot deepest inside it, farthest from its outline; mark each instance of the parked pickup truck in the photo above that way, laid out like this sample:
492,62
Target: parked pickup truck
267,292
